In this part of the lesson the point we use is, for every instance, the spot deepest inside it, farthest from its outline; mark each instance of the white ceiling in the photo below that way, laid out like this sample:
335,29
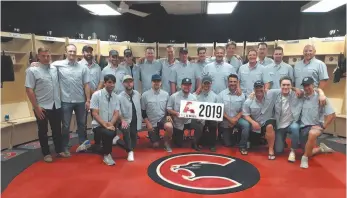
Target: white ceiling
184,7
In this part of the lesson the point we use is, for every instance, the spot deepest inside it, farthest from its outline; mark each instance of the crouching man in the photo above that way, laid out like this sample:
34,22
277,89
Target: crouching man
154,113
105,111
312,121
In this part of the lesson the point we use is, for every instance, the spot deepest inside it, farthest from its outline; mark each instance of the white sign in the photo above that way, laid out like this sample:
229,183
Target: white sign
201,110
15,35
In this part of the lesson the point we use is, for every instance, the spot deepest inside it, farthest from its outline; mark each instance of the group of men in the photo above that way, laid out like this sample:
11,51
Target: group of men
259,99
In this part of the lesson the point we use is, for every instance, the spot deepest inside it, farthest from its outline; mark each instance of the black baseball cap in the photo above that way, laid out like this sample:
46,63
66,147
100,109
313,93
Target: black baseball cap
128,52
258,83
186,81
86,48
156,77
307,81
183,50
113,53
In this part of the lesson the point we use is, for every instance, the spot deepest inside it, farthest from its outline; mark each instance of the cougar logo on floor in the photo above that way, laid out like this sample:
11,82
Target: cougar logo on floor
203,173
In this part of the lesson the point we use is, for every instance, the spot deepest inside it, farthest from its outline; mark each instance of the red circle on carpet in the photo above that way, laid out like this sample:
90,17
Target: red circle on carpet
85,175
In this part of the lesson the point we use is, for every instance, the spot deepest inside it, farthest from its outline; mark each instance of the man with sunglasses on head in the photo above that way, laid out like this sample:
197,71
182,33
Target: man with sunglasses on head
113,67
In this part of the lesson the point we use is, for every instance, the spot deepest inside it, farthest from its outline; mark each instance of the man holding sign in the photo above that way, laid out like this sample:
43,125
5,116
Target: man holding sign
174,106
207,128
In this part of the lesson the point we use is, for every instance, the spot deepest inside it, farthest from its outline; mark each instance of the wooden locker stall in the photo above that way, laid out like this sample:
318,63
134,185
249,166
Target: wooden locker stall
80,43
162,49
293,49
14,101
328,50
240,48
54,44
106,46
254,45
193,47
139,49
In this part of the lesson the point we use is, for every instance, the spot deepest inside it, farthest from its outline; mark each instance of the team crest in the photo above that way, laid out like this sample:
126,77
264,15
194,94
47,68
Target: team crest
203,173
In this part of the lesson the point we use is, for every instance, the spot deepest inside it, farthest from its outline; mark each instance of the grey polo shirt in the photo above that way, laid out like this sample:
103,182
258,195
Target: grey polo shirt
207,97
166,73
232,104
312,113
277,71
175,104
248,76
126,107
181,71
266,61
119,72
134,71
44,81
235,62
106,103
219,73
147,69
315,69
95,72
199,66
72,77
259,111
154,103
294,108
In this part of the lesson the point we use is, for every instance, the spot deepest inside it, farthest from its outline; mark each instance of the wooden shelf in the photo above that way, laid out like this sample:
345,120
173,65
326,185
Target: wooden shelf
16,35
22,53
254,45
139,49
50,39
80,43
162,49
106,46
54,44
293,47
193,47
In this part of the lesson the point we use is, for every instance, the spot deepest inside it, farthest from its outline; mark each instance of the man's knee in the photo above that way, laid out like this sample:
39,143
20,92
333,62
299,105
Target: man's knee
168,126
314,133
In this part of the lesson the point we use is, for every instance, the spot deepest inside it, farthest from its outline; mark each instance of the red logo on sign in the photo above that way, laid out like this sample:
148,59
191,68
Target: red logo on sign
187,108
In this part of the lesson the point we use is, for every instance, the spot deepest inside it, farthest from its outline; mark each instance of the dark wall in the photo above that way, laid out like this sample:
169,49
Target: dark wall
250,20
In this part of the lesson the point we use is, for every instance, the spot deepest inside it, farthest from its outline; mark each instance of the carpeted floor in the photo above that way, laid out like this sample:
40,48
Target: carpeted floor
85,175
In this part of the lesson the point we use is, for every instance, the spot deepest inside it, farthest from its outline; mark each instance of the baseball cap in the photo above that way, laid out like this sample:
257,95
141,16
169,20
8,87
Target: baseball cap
307,81
258,83
186,81
156,77
113,53
86,48
127,77
183,50
206,79
128,52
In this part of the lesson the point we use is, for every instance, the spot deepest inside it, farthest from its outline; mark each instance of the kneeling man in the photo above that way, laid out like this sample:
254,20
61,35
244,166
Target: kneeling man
105,110
154,113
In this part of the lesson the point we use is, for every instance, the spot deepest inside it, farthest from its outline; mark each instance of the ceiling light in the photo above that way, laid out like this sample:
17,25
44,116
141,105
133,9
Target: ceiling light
322,6
221,7
101,8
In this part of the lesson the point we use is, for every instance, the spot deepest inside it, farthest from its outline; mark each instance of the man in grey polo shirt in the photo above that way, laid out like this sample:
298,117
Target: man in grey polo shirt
113,67
231,57
173,107
219,71
184,69
42,88
259,113
206,130
74,81
311,67
105,109
154,113
167,66
132,68
201,62
148,68
233,115
130,115
312,121
262,55
279,69
251,72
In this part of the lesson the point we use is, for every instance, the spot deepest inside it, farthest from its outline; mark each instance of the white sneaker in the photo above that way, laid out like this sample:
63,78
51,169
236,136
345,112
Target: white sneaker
115,139
108,160
131,156
84,146
291,157
325,149
304,162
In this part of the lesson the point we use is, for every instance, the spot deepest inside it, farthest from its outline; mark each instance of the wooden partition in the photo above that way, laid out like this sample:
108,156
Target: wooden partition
106,46
293,49
240,48
193,47
139,49
54,44
162,49
254,45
